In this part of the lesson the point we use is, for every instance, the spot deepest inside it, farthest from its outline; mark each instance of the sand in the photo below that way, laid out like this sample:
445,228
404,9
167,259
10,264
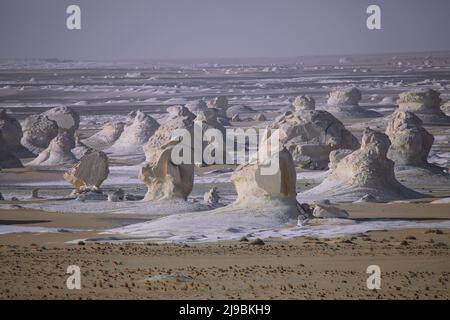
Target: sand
33,266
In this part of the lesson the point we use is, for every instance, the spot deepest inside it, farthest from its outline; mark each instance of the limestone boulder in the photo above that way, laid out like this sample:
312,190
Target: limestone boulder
344,103
89,172
38,131
65,117
425,104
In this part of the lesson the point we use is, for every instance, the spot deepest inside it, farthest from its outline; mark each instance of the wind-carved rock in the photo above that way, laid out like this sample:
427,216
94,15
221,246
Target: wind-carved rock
310,136
425,104
303,103
364,171
179,118
345,103
58,152
65,118
136,133
410,147
38,131
164,179
89,172
106,137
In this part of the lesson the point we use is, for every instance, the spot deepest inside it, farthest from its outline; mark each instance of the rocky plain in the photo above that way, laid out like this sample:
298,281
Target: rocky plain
363,179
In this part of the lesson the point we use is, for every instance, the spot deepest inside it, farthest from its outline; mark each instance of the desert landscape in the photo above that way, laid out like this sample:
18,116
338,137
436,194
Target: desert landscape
87,178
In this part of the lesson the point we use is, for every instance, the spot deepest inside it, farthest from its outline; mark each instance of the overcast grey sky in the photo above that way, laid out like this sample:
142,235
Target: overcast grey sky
139,29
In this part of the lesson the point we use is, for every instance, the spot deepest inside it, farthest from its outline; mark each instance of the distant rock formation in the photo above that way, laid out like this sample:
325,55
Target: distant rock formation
164,179
57,153
364,171
221,104
136,132
239,110
38,131
410,146
179,118
7,158
303,103
424,103
106,137
387,101
212,197
12,134
196,106
89,172
310,136
345,103
65,118
260,117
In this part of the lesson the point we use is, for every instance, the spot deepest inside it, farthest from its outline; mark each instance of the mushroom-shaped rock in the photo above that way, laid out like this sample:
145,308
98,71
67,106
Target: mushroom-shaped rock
310,136
106,137
179,118
65,117
89,172
38,131
304,102
134,135
57,153
164,179
424,103
364,171
345,103
410,147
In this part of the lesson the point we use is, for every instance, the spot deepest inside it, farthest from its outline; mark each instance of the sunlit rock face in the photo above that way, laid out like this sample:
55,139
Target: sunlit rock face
90,171
310,136
425,104
362,172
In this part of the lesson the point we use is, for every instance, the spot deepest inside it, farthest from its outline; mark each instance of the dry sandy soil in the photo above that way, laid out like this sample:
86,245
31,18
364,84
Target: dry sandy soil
414,263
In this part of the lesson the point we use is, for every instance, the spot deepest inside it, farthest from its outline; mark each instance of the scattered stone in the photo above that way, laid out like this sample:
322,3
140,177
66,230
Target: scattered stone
212,196
116,196
327,211
257,242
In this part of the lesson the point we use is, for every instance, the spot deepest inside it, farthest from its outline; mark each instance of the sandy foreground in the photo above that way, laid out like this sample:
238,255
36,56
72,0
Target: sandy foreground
415,263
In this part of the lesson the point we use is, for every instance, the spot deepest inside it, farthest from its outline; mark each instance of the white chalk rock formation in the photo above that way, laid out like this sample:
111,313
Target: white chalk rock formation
179,118
65,117
135,133
57,153
89,172
106,137
38,131
196,106
310,136
345,103
424,103
164,179
364,171
410,146
303,103
12,134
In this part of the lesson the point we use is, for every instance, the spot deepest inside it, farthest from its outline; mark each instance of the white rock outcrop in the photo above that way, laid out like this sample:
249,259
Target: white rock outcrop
136,133
364,171
106,137
58,153
344,103
310,136
89,172
38,131
304,102
424,103
65,117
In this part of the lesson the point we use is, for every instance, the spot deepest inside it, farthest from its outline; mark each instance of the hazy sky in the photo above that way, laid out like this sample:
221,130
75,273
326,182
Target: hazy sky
146,29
